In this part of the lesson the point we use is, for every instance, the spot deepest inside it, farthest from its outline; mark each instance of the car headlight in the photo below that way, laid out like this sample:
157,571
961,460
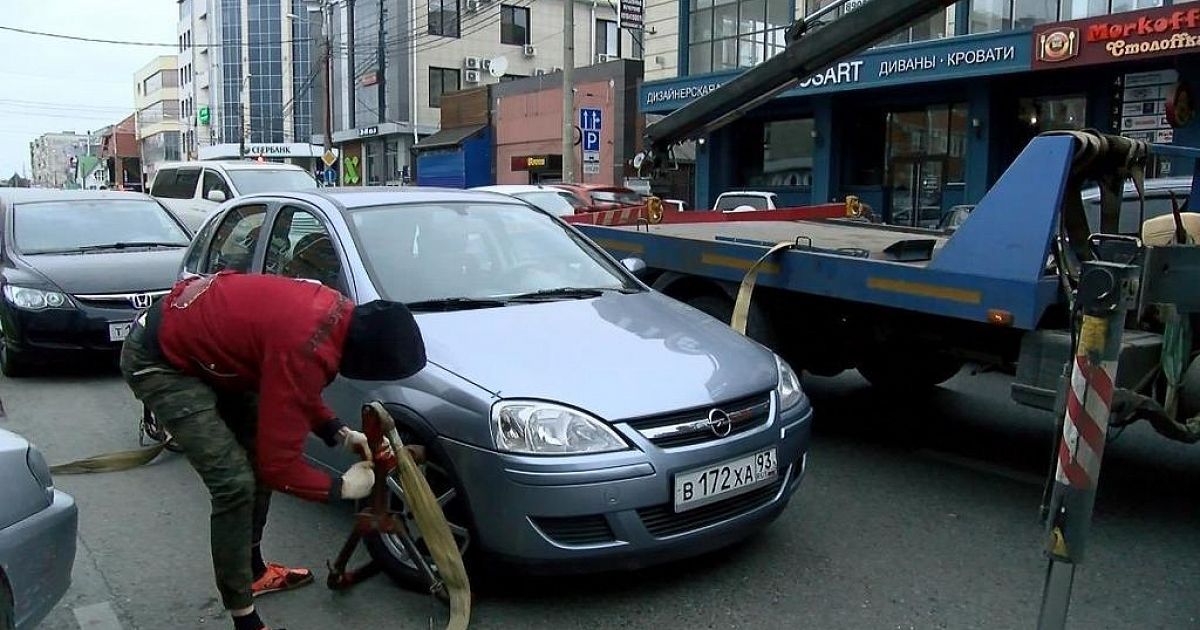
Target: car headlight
532,427
35,299
789,391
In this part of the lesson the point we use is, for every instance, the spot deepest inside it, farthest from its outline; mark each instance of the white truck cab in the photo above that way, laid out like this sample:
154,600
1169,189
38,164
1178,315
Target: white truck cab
194,189
746,201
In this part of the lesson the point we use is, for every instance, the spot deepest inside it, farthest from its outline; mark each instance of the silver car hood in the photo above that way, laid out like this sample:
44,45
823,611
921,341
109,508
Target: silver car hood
617,356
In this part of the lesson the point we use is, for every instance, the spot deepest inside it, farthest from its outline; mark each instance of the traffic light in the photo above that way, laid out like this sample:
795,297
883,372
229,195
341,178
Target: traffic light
202,115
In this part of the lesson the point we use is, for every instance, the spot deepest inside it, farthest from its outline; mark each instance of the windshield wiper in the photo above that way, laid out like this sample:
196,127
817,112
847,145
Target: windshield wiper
455,304
566,293
129,245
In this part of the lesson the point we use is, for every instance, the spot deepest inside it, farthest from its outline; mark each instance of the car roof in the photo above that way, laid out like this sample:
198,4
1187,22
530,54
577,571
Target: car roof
352,198
747,192
32,195
234,165
512,189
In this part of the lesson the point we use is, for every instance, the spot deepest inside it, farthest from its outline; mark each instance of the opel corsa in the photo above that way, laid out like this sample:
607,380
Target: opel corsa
574,419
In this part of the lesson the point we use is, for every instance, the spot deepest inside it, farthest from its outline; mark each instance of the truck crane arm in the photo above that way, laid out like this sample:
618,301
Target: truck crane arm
809,50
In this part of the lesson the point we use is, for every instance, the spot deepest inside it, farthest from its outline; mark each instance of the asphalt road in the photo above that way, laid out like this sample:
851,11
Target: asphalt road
915,514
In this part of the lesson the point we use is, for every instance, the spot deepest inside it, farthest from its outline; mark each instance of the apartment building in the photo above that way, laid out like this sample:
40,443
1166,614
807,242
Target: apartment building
195,71
54,157
392,64
159,129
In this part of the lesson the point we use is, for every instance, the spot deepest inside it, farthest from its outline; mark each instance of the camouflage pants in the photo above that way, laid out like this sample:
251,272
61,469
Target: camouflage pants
215,431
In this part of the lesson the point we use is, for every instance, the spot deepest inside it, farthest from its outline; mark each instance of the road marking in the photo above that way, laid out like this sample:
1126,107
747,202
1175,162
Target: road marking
983,467
97,617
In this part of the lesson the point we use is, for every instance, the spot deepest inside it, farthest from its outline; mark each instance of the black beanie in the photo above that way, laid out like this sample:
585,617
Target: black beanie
383,343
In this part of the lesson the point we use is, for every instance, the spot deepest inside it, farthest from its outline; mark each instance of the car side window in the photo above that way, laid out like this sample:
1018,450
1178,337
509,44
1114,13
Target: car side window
214,181
232,247
300,247
195,256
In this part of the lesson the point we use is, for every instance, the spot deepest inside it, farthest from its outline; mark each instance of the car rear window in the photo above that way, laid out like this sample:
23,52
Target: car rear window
66,226
729,202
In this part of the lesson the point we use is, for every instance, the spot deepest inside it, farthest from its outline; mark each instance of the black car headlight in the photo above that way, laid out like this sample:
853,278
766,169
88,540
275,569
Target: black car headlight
32,299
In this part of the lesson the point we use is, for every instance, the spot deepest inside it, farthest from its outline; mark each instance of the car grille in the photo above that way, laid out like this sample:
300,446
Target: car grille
117,300
693,427
576,530
661,520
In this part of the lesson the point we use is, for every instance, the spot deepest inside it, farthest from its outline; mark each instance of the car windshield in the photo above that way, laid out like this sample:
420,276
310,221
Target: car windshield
254,181
66,226
552,202
623,197
477,251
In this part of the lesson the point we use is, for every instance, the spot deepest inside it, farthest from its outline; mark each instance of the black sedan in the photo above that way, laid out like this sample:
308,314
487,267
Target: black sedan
76,267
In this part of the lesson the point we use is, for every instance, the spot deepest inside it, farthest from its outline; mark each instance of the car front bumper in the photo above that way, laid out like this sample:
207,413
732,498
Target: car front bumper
56,333
616,511
38,554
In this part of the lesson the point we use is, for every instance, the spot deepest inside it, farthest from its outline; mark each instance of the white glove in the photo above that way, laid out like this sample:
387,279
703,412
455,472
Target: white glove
358,481
355,442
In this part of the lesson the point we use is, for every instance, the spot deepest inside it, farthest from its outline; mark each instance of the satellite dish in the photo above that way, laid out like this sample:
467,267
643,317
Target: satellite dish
498,66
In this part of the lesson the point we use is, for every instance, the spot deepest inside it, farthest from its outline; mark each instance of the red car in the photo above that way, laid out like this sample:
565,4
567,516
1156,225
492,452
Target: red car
597,197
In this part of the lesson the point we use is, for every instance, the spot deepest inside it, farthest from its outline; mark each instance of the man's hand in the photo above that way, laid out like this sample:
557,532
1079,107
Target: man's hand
355,442
358,481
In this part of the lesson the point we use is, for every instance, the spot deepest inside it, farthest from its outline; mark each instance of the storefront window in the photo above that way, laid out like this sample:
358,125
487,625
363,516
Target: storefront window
938,25
1040,114
787,155
925,150
730,34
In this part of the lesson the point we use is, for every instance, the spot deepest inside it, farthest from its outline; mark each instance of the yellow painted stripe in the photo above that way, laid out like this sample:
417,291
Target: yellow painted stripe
721,260
632,248
920,289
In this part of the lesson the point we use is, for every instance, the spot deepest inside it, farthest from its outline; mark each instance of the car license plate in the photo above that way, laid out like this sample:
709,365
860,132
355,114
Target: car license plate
701,486
119,331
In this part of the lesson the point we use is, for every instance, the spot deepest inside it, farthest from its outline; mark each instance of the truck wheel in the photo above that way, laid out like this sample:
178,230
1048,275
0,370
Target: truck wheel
758,327
903,372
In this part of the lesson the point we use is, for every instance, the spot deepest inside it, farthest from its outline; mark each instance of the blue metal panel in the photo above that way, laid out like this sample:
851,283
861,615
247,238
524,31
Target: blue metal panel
446,169
896,285
1008,234
478,159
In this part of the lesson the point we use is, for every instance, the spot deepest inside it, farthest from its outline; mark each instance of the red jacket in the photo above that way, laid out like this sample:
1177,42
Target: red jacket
276,336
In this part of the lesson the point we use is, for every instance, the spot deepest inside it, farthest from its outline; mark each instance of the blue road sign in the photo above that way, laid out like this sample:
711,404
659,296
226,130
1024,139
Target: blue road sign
589,119
591,140
330,176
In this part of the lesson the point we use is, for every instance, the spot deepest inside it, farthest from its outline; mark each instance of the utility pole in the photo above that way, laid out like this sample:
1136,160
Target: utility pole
381,86
327,72
568,89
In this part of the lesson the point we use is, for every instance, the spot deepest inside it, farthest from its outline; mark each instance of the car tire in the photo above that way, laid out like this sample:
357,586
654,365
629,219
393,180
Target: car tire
899,372
758,327
8,616
12,363
388,552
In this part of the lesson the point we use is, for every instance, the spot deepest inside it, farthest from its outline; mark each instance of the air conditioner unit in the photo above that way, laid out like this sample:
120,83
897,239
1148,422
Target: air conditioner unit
472,63
472,6
472,76
486,64
603,58
557,69
537,72
530,50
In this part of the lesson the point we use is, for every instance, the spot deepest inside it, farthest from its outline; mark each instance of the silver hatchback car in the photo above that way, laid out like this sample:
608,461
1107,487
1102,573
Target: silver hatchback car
575,419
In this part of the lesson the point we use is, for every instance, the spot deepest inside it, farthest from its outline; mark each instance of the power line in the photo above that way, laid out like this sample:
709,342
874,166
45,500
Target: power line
118,42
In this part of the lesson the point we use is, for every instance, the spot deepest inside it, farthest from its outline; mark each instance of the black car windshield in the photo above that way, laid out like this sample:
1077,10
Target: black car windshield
65,226
552,202
262,180
479,251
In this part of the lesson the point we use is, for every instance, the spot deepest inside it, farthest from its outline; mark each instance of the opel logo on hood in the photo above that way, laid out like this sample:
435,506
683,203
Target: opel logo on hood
720,423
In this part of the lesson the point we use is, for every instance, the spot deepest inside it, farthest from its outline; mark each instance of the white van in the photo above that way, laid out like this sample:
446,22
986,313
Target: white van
194,189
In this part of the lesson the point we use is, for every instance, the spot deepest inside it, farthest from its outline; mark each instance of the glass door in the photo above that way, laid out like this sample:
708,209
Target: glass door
916,191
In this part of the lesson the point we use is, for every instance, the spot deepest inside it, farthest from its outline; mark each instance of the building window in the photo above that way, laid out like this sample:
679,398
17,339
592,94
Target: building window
739,34
938,25
514,25
997,15
787,155
444,18
442,81
511,77
608,38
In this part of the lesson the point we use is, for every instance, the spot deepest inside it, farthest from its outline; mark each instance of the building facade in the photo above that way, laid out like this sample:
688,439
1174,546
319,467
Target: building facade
157,104
121,164
195,66
931,117
54,158
392,63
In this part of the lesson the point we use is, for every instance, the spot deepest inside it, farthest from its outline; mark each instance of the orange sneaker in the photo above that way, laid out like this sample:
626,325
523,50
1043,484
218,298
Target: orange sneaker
280,578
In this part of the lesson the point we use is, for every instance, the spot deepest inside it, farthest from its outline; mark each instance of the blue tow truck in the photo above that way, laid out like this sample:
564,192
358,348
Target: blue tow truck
908,308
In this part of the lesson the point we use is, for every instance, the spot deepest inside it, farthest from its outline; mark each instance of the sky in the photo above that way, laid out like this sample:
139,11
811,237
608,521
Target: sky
49,84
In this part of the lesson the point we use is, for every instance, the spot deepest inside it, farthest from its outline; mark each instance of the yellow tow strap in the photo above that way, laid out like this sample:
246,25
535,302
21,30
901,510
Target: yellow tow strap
428,514
109,462
741,307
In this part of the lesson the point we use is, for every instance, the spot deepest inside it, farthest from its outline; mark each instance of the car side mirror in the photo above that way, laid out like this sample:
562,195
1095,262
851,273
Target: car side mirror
635,266
216,195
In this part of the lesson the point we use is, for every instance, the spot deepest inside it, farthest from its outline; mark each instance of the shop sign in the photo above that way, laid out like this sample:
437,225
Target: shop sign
632,14
1145,111
1146,34
993,53
269,149
535,162
367,131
